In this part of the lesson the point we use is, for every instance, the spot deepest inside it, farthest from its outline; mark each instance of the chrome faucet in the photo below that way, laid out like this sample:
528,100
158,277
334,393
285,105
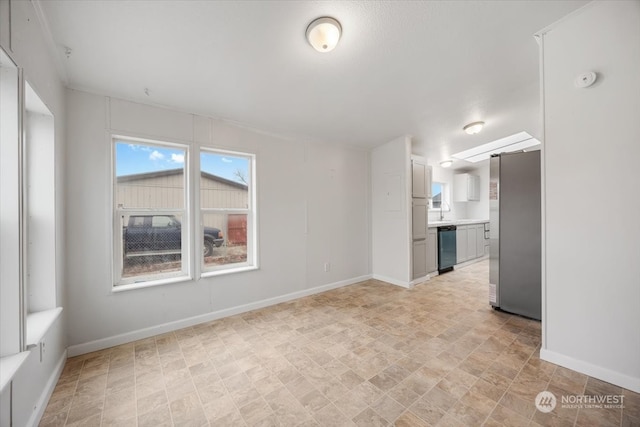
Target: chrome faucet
442,213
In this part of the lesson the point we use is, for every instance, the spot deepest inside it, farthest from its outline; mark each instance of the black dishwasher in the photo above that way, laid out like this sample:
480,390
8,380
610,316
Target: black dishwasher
446,248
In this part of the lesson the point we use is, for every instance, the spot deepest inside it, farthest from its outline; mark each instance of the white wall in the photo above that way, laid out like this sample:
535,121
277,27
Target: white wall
40,150
23,39
591,274
10,271
480,209
312,208
390,214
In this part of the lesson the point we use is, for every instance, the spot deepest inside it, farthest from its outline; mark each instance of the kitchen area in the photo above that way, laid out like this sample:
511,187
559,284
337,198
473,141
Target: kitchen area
444,218
492,211
451,218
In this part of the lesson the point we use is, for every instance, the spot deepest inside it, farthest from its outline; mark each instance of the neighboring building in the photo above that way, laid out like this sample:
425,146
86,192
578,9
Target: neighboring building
165,189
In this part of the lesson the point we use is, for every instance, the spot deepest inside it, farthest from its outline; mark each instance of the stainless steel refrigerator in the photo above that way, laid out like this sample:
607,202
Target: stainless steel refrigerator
515,233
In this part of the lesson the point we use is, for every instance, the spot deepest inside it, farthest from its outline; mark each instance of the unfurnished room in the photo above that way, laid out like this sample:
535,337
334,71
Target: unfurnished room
319,213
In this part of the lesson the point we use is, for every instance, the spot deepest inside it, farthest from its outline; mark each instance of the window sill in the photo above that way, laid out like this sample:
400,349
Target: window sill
150,284
39,323
9,366
212,273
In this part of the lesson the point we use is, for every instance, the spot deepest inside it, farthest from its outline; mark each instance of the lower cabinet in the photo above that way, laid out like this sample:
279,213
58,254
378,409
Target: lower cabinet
432,250
461,244
480,243
419,258
470,242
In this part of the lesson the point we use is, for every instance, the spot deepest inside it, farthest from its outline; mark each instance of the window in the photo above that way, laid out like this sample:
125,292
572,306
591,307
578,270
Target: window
39,203
27,213
227,210
151,230
163,221
439,196
154,233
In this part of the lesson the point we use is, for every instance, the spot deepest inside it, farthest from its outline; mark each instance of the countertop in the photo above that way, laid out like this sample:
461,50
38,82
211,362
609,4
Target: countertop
432,224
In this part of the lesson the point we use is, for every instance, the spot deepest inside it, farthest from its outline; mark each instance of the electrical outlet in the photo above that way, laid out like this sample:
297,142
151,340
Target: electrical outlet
327,267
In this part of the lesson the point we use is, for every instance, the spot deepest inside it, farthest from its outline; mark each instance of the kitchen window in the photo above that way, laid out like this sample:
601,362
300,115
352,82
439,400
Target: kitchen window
440,196
151,226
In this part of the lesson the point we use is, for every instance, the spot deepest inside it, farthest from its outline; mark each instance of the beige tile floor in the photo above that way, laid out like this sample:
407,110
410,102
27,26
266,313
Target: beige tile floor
370,354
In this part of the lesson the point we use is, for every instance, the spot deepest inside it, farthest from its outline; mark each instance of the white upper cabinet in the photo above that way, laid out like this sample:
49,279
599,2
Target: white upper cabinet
466,187
419,218
419,181
421,178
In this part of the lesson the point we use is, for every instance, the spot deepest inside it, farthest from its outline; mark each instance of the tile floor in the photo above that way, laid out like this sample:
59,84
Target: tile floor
369,354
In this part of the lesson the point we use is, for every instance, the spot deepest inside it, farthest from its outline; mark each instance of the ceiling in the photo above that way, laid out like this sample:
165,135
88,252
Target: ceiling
402,67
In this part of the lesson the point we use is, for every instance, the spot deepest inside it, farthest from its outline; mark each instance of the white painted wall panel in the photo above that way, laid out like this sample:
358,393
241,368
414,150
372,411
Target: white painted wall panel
292,189
139,119
336,231
591,150
390,213
35,380
34,383
202,129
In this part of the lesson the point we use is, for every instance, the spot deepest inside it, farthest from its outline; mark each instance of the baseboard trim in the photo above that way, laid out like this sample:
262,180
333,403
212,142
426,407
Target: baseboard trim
604,374
470,262
419,280
36,417
392,281
101,344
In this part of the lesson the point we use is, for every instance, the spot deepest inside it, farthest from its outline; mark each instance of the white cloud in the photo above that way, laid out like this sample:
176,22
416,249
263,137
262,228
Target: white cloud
156,155
177,158
136,147
224,159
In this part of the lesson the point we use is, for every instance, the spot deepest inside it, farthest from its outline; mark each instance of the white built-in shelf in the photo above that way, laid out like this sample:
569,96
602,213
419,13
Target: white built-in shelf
39,323
9,365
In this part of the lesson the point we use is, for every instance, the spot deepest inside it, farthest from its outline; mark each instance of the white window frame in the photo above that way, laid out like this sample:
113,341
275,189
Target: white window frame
119,283
250,211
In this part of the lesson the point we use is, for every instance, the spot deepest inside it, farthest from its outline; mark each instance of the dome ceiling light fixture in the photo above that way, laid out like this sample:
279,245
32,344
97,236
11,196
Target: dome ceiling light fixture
446,163
324,33
473,128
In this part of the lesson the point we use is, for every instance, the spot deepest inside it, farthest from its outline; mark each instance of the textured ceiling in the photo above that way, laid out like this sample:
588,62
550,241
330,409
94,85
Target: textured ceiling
402,67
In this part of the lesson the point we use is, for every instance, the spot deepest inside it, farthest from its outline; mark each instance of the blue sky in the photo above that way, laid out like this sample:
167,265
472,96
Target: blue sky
140,158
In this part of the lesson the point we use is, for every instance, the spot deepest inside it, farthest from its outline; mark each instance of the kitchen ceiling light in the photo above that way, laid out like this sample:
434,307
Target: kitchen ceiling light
473,128
323,34
515,142
446,163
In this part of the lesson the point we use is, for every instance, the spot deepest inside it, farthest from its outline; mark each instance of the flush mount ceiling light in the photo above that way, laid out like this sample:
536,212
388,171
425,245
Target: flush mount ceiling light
446,163
323,34
473,128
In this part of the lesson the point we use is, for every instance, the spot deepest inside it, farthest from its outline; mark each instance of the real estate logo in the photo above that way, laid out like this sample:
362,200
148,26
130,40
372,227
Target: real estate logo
545,401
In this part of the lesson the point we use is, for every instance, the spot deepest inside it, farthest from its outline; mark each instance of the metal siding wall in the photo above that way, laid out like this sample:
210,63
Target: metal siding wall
219,195
168,192
160,192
